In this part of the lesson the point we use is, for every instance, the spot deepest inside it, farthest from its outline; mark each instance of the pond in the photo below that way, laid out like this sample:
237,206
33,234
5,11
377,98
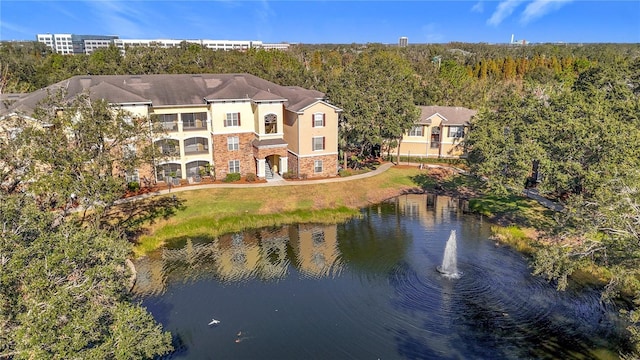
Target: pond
369,289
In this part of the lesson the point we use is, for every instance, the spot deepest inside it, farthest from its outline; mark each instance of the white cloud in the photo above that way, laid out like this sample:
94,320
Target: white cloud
503,11
539,8
129,19
478,7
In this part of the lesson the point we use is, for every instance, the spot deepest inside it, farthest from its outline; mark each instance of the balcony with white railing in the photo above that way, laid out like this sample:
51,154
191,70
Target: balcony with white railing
195,146
168,147
194,121
169,126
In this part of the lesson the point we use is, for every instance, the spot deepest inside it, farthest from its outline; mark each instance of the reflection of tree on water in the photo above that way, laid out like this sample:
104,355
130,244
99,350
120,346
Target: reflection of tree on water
375,244
273,262
491,306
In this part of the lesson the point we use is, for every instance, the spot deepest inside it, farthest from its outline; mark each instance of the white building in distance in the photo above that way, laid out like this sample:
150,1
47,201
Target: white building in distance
86,44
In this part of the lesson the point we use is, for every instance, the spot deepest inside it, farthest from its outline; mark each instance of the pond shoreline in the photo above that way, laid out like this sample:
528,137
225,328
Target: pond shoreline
306,200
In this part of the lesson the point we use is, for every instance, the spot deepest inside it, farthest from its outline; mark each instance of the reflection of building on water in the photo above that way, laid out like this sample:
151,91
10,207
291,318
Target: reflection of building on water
187,263
256,253
316,249
264,253
431,209
261,253
239,256
273,255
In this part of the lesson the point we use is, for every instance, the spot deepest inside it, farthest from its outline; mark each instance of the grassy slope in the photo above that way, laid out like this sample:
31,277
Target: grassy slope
216,211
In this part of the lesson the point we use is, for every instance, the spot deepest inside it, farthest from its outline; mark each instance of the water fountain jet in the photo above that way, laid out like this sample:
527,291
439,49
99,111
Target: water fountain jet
449,267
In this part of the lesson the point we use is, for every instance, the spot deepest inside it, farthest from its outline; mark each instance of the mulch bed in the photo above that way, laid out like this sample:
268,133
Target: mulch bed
183,183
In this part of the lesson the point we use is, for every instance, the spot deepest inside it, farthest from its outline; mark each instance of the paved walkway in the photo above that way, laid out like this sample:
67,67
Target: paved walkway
530,193
533,194
279,182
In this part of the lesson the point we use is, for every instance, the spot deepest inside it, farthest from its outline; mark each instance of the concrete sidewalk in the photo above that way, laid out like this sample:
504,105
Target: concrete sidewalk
382,168
530,193
535,195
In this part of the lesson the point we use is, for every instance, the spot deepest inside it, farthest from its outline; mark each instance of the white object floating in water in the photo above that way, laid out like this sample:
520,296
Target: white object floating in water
214,322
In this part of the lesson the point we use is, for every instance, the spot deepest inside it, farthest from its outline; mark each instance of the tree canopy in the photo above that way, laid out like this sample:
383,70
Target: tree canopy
376,94
64,283
586,140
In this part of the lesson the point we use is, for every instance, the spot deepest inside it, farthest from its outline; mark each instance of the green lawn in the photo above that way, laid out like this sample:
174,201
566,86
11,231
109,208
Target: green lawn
216,211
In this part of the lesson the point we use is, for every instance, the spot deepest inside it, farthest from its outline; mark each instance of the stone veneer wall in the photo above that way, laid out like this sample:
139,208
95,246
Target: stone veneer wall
222,156
292,163
304,166
264,152
147,175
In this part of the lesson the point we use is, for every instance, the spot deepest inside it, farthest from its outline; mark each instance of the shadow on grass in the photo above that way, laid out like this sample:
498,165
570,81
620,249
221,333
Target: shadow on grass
447,183
196,240
512,209
133,215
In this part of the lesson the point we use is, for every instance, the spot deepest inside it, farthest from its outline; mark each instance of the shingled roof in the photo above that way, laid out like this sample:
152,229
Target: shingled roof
452,115
171,90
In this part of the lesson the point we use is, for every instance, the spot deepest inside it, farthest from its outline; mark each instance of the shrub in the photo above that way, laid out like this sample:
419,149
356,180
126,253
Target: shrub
250,177
232,177
133,186
288,175
345,172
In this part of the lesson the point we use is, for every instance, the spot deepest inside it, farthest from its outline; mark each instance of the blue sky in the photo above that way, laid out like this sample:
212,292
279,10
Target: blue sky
329,21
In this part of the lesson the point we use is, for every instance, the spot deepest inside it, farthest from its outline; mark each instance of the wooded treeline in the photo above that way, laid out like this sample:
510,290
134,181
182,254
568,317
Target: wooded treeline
574,110
455,74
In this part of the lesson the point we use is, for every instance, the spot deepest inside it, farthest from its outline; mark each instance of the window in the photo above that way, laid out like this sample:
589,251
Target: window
129,151
435,137
318,143
270,124
318,120
132,176
233,143
234,166
456,131
317,236
172,169
169,147
196,168
233,119
188,120
416,131
194,120
317,166
169,121
195,145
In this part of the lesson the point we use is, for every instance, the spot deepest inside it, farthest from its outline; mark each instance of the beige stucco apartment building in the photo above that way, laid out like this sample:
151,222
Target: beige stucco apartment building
231,123
439,133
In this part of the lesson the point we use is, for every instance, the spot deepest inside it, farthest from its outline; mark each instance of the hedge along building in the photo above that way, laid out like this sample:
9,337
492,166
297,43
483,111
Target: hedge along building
232,123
